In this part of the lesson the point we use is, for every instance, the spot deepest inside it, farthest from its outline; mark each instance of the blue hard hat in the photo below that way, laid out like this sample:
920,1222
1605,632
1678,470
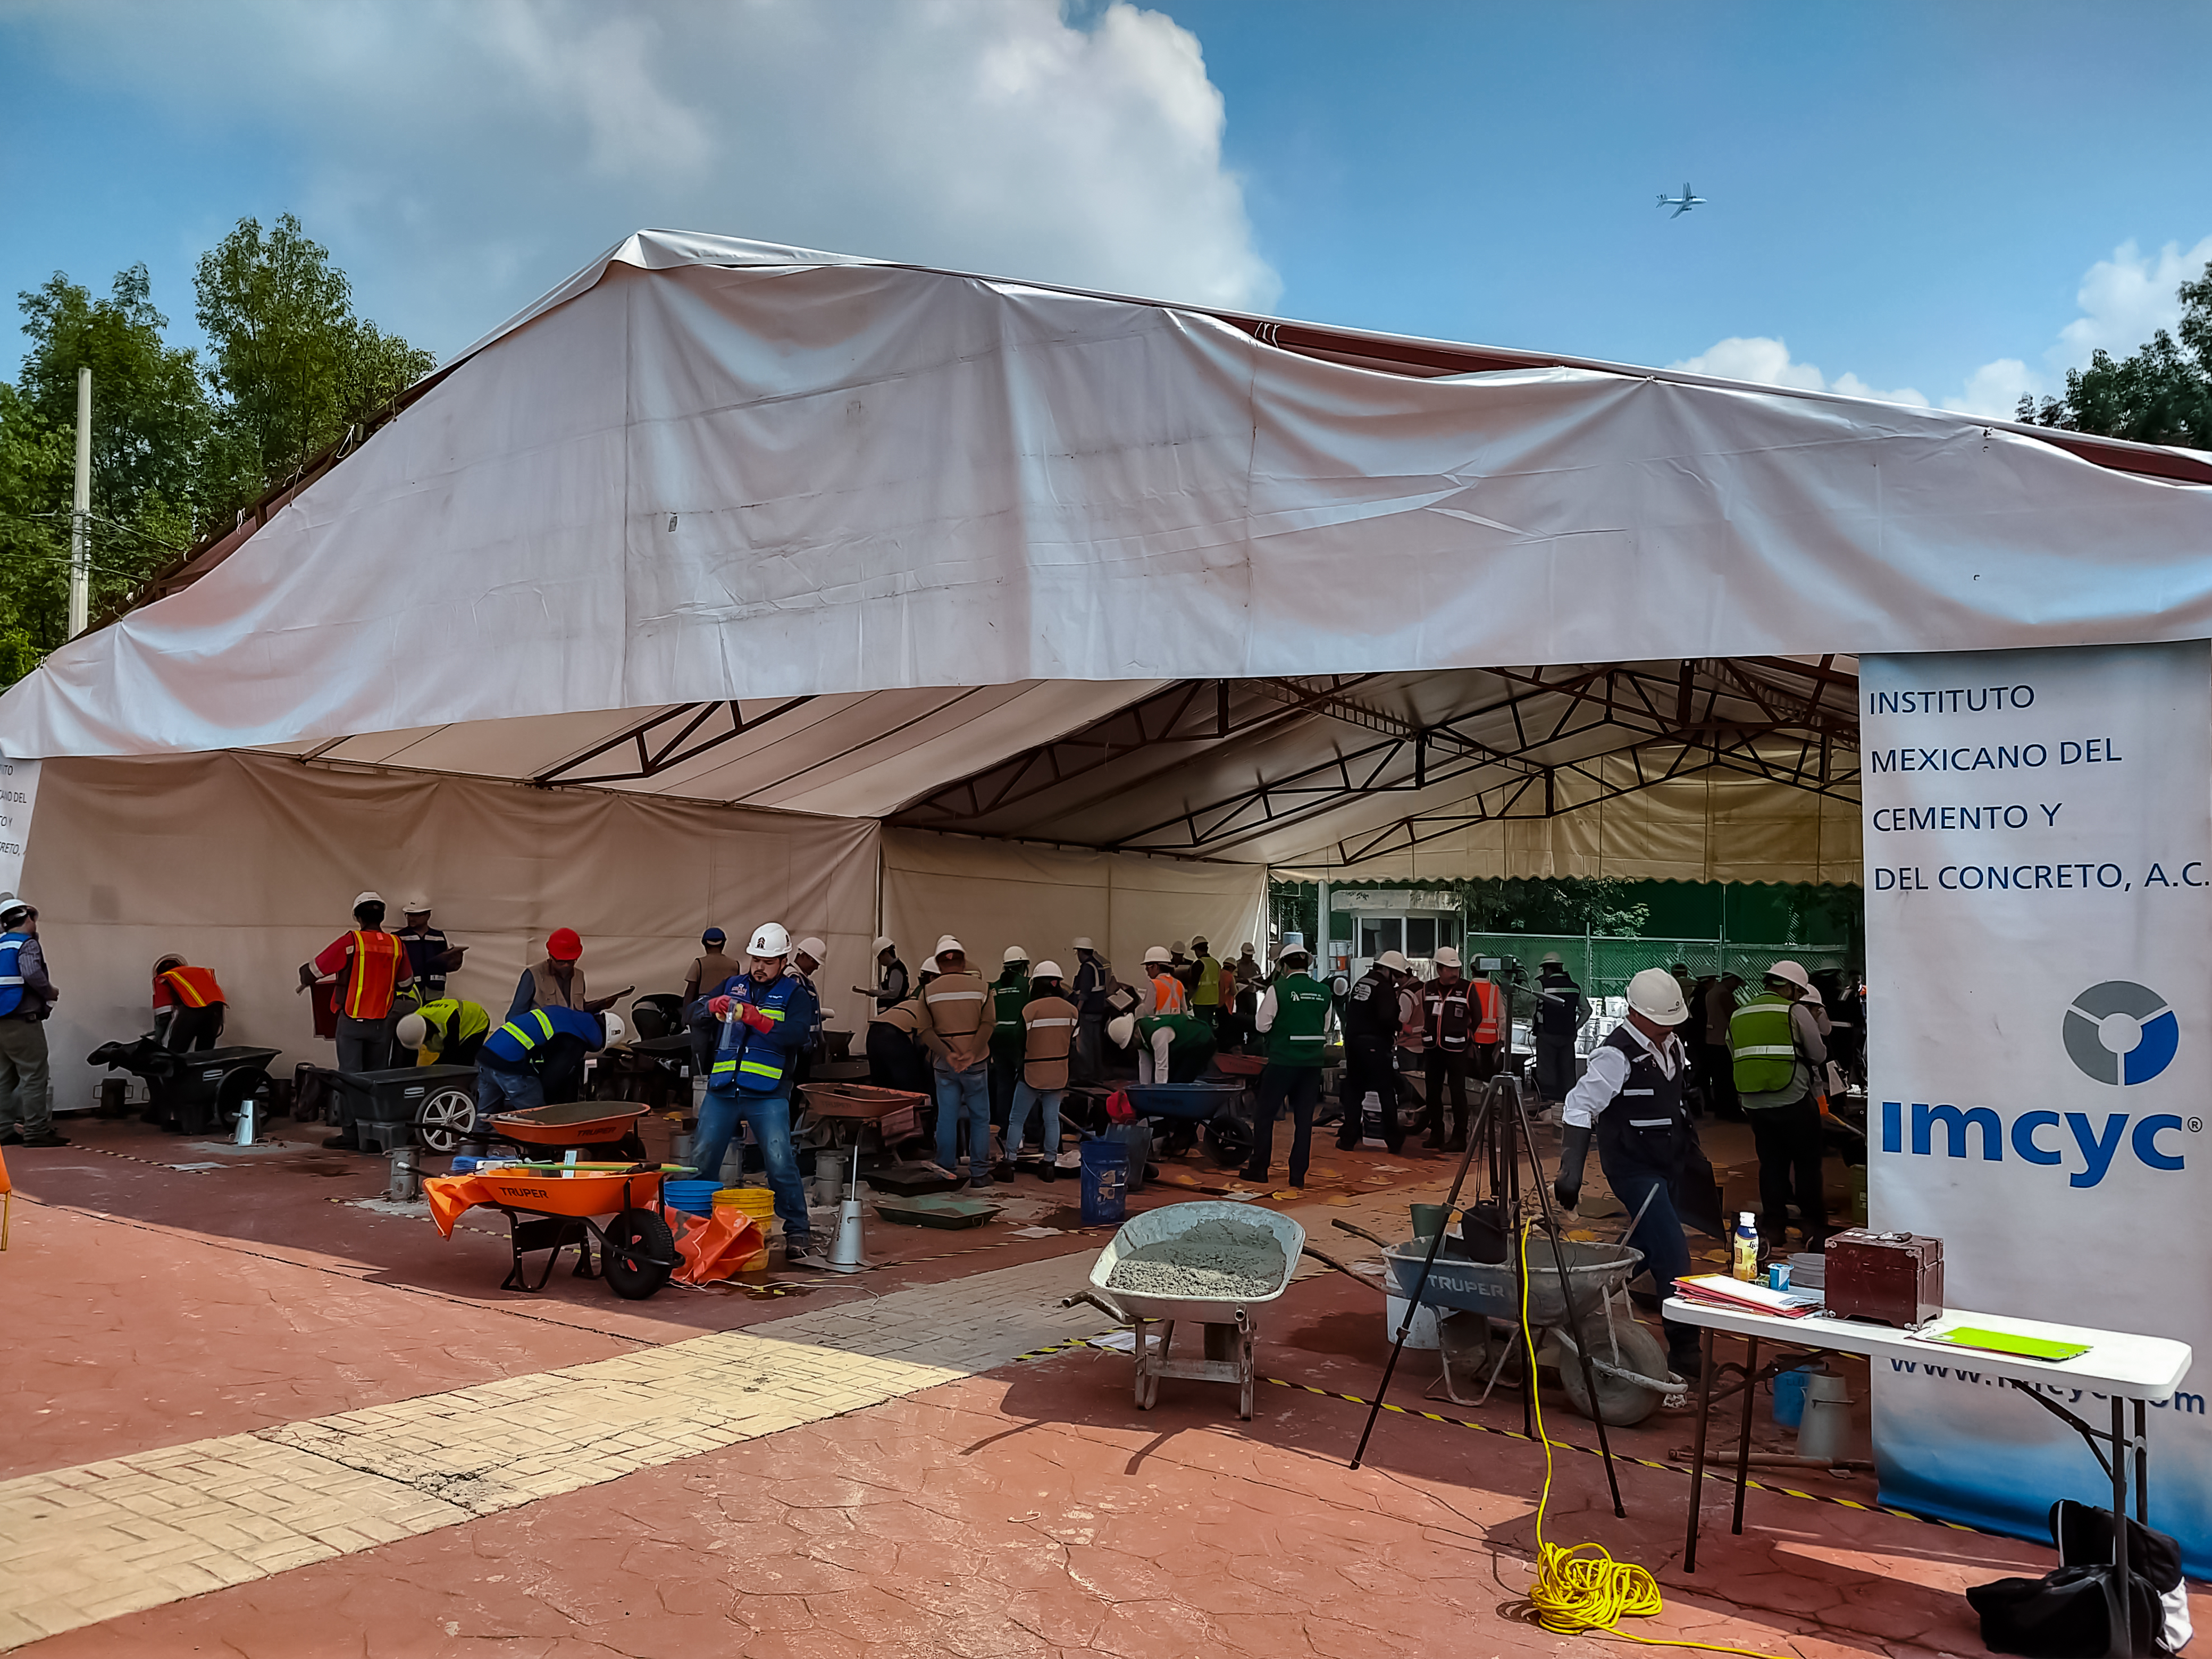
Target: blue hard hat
712,936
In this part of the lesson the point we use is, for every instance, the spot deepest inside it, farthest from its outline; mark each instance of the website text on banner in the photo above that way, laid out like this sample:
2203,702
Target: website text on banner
19,795
2038,825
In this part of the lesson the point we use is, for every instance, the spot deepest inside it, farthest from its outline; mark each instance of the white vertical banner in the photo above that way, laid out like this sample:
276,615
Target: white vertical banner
19,794
2038,825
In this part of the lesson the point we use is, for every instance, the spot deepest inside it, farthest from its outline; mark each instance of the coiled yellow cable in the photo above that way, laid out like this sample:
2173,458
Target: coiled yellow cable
1584,1588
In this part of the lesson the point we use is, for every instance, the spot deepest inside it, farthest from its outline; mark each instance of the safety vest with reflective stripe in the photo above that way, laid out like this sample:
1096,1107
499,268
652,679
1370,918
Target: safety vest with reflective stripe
11,971
1206,992
516,1041
1762,1046
759,1061
1299,1033
372,975
193,987
1168,995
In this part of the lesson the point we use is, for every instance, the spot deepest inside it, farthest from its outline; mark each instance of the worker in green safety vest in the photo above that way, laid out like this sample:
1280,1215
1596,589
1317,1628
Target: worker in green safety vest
1206,984
1293,1018
1777,1056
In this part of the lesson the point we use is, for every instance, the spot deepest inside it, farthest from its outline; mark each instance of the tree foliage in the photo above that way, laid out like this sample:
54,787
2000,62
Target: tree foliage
2159,394
179,445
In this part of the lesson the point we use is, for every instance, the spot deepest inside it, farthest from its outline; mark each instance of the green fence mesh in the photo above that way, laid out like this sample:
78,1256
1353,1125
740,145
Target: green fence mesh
1603,966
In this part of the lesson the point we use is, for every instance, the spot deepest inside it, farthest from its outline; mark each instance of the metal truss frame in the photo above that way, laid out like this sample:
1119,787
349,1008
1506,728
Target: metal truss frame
664,739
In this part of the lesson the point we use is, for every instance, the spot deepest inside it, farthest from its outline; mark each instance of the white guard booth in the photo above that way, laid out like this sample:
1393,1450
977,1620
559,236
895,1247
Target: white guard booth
732,581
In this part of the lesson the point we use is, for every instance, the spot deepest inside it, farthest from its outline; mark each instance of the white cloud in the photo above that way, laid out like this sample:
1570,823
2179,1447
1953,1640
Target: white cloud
1767,361
461,156
2124,301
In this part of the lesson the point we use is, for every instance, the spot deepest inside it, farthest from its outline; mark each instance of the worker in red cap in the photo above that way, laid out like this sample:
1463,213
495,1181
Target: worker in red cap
556,981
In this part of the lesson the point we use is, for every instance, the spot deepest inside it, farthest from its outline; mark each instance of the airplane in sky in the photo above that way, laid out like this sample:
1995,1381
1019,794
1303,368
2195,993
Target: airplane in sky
1681,203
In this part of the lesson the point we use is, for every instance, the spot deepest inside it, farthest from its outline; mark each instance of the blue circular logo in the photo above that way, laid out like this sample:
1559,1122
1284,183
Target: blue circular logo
2121,1032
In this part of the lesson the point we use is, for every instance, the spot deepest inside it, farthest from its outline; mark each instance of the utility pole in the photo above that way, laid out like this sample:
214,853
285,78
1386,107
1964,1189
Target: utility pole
80,586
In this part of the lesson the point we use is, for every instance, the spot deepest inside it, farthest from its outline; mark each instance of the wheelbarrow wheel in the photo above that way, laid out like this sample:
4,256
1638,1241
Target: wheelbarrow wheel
247,1083
447,1119
638,1255
1229,1138
1624,1403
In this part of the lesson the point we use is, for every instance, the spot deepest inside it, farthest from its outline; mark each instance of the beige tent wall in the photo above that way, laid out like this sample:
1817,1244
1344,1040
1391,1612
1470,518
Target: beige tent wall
994,894
1712,828
249,864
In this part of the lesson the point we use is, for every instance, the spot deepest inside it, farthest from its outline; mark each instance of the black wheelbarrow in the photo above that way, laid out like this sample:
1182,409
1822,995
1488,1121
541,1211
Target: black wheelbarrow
192,1094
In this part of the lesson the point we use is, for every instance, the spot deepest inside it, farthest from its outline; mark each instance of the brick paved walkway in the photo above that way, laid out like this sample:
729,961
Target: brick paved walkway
89,1542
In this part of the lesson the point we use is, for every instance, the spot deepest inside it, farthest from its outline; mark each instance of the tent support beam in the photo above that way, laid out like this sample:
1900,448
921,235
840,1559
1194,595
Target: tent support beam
654,757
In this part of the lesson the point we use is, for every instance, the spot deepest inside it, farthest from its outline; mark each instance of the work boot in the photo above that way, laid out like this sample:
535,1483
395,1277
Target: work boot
341,1144
1249,1174
13,1138
981,1178
799,1252
49,1138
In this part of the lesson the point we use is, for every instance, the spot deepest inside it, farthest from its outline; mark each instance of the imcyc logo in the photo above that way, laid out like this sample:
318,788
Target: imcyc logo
2121,1032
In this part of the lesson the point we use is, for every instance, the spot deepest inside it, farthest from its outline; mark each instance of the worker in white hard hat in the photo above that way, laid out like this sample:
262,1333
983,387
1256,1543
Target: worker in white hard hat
766,1014
1629,1101
1009,993
446,1032
429,952
1451,1016
806,958
1779,1058
1176,1044
1561,1009
1048,1037
956,1029
1371,1023
1087,990
892,986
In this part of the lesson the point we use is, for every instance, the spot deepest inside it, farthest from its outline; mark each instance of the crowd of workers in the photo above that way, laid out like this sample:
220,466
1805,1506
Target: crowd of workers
1004,1050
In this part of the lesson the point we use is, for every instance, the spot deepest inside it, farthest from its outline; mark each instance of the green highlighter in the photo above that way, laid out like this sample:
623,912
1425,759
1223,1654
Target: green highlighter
2009,1342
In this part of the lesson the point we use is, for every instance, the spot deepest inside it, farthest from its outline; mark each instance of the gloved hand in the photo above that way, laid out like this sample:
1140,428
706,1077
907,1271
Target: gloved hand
721,1006
1573,1150
756,1017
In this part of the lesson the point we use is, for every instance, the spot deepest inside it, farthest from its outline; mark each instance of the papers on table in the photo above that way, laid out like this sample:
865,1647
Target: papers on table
2010,1343
1751,1297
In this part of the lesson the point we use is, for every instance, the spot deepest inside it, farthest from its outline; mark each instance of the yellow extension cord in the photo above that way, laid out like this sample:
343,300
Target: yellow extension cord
1584,1588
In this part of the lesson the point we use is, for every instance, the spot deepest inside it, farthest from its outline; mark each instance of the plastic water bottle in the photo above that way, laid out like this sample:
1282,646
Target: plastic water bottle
1744,1247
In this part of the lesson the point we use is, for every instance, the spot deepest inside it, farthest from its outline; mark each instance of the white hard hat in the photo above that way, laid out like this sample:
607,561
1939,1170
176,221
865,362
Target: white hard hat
770,939
1015,953
931,967
1246,947
946,942
1177,947
1656,995
360,899
1396,961
1046,970
1793,973
884,943
1446,956
615,1030
1552,959
1085,945
814,947
10,904
410,1030
416,907
1121,1027
1157,953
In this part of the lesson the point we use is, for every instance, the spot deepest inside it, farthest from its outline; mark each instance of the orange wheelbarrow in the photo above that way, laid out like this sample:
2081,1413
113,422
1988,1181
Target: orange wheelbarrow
547,1210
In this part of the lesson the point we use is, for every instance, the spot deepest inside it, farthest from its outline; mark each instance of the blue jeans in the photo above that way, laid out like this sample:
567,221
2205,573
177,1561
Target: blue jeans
1017,1118
720,1114
1659,1236
499,1091
967,1092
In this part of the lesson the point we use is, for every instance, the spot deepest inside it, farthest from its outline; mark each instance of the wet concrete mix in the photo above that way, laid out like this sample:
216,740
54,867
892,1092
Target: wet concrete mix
1217,1259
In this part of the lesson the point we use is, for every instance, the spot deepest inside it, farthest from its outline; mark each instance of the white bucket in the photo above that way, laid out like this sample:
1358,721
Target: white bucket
1423,1334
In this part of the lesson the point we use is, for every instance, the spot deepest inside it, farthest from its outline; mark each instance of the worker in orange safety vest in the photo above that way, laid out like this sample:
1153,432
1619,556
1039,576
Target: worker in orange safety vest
188,1005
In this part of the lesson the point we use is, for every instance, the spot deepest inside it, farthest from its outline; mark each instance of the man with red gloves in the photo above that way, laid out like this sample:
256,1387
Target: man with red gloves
766,1015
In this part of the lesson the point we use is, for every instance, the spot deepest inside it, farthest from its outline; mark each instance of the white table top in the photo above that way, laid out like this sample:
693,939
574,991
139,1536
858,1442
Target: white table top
2147,1368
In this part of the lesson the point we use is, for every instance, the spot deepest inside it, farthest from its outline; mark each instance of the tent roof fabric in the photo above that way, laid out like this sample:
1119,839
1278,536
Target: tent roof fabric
740,522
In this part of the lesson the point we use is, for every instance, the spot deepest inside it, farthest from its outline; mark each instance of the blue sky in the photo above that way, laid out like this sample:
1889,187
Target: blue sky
1956,199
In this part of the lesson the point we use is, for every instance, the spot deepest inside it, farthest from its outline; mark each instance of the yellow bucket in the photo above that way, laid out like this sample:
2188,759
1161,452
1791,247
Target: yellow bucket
759,1203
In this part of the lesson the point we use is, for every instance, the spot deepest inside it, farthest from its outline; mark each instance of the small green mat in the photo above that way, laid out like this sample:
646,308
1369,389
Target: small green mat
2009,1342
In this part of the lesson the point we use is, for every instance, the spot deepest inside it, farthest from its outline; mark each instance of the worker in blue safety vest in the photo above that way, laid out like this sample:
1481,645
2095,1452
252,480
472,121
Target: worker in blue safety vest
767,1016
512,1063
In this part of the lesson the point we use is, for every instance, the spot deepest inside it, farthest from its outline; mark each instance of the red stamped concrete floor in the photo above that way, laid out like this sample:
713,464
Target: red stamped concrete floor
1034,1511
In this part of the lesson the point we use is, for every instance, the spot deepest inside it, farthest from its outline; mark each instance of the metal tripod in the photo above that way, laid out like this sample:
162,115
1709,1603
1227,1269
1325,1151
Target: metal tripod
1500,1135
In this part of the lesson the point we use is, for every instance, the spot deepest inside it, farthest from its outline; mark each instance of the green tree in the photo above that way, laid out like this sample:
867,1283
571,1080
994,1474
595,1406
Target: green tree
2159,394
292,363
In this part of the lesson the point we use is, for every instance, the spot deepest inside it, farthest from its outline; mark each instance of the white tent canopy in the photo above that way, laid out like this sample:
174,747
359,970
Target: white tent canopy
1056,612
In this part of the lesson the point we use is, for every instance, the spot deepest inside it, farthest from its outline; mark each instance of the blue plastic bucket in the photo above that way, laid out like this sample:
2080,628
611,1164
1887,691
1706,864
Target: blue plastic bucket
1789,1398
1105,1182
692,1197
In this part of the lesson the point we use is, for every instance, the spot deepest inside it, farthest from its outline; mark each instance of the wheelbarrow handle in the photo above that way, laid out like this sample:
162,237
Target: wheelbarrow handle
1327,1260
1105,1305
1357,1231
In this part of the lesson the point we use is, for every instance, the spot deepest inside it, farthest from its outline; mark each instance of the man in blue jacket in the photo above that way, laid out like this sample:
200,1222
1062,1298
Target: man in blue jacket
513,1064
766,1017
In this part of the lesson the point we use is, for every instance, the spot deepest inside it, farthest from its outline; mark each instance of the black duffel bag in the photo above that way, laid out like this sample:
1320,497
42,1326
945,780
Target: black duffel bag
2066,1615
